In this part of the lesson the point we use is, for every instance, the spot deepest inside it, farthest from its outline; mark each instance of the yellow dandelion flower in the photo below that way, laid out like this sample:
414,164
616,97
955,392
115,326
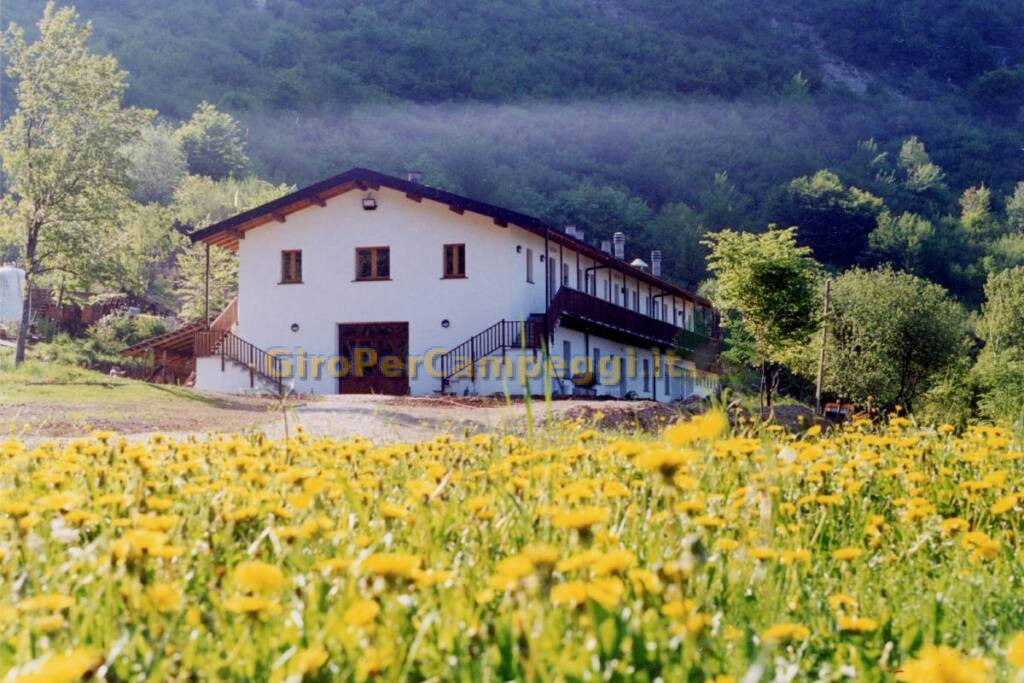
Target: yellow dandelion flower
361,613
63,667
785,631
391,565
258,577
53,602
847,554
309,660
580,518
1015,651
857,624
943,664
166,597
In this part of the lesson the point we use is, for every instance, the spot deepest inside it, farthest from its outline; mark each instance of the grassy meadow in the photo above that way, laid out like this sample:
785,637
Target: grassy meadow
705,554
55,399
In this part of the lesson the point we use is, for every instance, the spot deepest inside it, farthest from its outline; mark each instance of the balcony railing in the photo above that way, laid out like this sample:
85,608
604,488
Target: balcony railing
586,313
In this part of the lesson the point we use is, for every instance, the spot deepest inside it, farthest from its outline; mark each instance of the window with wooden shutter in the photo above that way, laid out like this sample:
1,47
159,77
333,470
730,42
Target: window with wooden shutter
373,263
454,260
291,267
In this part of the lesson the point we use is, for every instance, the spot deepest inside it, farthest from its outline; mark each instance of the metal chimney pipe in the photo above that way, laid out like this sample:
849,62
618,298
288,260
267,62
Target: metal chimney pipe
619,240
656,263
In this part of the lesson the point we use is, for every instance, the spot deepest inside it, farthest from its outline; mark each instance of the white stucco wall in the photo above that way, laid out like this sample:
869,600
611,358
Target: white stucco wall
495,288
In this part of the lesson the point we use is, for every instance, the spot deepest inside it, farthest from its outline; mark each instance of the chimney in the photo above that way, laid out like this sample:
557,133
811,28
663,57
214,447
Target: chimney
656,263
570,230
415,177
619,239
606,246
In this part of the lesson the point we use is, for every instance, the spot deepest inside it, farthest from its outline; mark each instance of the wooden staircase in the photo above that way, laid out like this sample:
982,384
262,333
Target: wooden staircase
219,340
501,336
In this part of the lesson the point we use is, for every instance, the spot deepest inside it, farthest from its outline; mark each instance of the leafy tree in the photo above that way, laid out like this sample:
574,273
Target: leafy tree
601,210
998,376
902,241
722,205
157,164
142,258
191,287
61,149
834,220
198,202
1015,209
1002,320
677,232
920,174
889,335
1005,252
770,283
976,213
212,143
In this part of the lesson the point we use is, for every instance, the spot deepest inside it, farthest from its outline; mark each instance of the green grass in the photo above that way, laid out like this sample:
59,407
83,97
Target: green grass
37,381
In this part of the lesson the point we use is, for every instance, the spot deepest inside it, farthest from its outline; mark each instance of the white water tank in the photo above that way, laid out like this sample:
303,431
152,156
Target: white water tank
12,292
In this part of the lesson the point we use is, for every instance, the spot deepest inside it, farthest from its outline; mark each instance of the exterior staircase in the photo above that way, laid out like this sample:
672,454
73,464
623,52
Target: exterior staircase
220,340
499,337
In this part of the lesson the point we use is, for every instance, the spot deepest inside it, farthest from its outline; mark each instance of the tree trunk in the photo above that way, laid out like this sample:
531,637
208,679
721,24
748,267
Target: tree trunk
761,389
32,234
26,315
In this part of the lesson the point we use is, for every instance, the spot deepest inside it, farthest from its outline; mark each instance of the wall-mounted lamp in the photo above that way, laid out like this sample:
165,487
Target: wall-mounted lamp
295,327
446,323
369,203
542,257
519,249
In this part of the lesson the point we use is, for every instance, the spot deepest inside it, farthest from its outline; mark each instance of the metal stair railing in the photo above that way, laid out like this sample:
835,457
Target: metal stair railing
503,335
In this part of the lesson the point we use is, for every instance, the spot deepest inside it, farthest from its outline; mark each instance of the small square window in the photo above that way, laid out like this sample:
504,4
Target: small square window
454,260
373,263
291,266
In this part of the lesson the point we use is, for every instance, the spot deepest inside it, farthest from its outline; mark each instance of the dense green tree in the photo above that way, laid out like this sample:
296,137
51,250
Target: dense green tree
834,220
976,214
919,173
601,210
903,241
1015,210
1002,320
998,376
61,150
770,283
158,164
1005,252
198,202
677,231
191,282
142,258
722,205
213,145
890,334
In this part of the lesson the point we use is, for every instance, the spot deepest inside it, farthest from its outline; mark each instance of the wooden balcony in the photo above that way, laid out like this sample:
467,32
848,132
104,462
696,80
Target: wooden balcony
579,311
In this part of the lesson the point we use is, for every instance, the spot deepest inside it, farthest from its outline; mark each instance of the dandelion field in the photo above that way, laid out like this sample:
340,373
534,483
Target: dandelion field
871,553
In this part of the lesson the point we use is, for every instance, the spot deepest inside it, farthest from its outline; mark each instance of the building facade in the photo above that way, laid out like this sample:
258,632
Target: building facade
370,283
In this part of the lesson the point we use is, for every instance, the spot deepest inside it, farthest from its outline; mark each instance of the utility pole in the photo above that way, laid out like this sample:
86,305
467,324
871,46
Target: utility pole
821,354
206,290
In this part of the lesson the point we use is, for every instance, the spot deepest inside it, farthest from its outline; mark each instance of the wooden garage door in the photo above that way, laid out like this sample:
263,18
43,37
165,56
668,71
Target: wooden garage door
390,343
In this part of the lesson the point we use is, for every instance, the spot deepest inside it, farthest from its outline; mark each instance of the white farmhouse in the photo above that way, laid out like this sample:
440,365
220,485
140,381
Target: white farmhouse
366,282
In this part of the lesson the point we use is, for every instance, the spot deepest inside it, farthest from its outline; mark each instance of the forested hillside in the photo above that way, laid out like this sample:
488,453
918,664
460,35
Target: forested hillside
665,118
